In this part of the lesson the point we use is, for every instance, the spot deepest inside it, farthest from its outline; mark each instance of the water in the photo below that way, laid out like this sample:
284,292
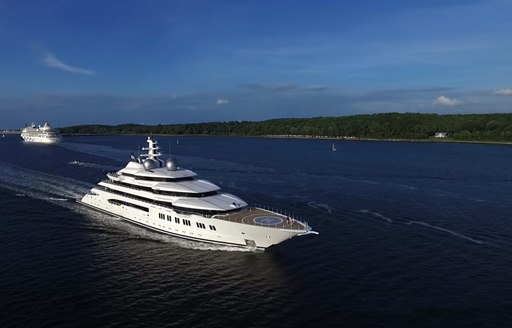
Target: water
411,235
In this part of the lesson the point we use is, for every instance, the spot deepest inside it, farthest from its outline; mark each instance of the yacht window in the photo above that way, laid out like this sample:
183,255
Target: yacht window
120,202
158,179
166,193
177,219
212,228
178,209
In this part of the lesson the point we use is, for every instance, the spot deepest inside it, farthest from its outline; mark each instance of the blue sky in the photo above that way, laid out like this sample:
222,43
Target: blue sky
161,62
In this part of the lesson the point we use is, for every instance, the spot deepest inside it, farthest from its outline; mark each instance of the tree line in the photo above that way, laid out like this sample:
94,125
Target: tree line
468,127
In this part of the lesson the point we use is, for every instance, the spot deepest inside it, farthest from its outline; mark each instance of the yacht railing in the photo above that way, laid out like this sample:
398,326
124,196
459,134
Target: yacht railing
290,222
300,225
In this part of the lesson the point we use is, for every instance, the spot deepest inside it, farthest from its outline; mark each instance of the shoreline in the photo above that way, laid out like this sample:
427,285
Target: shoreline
430,140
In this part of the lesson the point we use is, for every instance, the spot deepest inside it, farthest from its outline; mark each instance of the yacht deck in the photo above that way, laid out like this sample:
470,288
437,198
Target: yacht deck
261,217
251,215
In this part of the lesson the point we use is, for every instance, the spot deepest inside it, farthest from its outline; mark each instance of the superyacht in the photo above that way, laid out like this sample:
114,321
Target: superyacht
161,196
41,134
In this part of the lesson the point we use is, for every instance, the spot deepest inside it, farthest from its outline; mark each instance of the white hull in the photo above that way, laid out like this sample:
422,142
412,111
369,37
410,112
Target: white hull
163,220
173,201
40,134
41,139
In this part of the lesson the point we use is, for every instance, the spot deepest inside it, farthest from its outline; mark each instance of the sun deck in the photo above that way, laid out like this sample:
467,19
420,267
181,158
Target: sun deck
261,217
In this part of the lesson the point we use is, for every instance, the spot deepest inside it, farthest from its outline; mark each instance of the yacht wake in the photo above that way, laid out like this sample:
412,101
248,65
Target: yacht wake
59,199
40,185
94,165
424,224
210,247
319,205
407,187
380,216
476,241
63,191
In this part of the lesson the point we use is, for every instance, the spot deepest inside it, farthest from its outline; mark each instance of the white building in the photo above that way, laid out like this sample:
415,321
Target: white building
440,135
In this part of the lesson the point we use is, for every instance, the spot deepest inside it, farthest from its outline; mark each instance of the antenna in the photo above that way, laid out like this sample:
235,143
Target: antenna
138,153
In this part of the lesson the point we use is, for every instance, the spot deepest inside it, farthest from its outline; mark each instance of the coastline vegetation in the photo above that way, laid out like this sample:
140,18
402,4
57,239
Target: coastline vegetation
394,126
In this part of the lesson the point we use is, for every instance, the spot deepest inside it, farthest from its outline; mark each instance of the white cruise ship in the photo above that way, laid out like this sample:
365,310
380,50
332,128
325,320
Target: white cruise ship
161,196
42,134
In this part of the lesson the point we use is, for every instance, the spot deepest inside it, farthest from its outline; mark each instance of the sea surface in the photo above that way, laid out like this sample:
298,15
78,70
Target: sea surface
411,235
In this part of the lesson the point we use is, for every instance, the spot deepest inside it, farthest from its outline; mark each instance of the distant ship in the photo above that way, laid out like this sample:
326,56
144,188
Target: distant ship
41,134
161,196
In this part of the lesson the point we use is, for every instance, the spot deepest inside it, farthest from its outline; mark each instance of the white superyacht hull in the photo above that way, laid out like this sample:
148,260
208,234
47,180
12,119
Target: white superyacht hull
188,226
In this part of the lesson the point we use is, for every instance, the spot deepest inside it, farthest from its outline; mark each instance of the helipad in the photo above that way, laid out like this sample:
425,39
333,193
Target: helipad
267,220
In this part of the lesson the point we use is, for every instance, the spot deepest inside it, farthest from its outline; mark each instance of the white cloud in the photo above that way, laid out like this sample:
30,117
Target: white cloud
52,61
222,102
503,92
445,101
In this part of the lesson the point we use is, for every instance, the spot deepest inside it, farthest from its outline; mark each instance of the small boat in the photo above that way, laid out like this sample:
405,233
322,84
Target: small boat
333,147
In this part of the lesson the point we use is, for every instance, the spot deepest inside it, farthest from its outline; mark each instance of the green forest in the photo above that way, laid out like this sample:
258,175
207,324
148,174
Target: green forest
463,127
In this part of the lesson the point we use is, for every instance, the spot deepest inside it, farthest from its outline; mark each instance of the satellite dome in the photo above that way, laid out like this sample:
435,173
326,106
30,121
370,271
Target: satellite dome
171,164
149,164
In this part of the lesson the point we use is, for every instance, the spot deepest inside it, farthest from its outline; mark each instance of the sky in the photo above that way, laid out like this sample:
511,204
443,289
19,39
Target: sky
73,62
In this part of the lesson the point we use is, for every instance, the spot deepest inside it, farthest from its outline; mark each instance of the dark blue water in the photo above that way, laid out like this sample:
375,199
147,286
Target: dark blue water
411,235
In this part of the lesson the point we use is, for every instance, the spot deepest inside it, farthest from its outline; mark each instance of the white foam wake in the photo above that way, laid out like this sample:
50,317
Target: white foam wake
380,216
93,165
40,185
196,245
476,241
425,224
407,187
319,205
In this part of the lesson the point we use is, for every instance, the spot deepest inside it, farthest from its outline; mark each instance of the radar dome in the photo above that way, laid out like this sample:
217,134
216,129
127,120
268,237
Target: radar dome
149,164
171,164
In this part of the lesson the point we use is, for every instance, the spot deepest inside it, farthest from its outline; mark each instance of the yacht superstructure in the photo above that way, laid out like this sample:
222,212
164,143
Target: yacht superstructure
42,134
161,196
